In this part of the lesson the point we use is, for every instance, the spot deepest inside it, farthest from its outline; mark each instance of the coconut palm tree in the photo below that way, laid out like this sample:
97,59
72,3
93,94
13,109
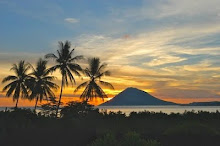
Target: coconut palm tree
41,83
17,86
66,64
95,72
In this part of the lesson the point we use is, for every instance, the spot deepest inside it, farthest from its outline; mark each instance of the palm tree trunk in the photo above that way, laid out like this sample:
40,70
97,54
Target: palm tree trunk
36,104
16,105
61,91
87,99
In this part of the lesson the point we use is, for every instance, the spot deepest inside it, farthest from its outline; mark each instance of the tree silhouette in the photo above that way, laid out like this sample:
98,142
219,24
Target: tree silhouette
17,87
65,63
49,109
41,82
95,72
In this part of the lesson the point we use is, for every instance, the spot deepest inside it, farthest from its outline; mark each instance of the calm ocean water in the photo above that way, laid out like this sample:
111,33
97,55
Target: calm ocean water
165,109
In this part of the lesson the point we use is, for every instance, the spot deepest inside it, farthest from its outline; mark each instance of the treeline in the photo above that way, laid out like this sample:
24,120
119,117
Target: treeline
81,124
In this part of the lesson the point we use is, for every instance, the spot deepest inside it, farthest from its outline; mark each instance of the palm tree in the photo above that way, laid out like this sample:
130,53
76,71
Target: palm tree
95,72
65,63
40,83
17,87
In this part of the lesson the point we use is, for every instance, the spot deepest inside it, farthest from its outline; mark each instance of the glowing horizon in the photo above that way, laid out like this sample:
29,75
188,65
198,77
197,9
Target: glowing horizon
8,101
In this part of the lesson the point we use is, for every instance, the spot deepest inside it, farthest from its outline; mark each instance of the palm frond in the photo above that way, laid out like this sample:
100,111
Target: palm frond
87,72
24,91
81,57
60,45
65,79
11,90
100,92
51,56
60,57
67,44
31,66
15,69
49,78
91,91
75,68
9,78
81,86
106,84
51,85
53,68
106,73
26,68
70,55
94,65
14,83
71,78
102,67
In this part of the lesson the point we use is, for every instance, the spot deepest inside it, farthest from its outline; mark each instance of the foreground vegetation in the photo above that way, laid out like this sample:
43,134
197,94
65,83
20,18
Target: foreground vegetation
81,124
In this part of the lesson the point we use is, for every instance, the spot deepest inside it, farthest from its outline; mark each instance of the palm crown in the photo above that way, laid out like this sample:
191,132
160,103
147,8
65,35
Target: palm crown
65,62
95,72
40,83
17,87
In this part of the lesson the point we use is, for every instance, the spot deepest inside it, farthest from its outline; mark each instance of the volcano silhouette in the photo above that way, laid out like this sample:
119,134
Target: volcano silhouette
134,96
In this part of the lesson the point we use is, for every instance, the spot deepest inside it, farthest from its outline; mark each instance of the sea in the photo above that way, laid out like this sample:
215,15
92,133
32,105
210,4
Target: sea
165,109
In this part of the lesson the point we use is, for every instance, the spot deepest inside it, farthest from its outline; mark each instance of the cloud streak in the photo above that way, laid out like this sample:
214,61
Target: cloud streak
71,20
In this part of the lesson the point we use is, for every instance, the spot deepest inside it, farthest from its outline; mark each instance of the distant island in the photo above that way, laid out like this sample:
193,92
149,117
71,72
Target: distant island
136,97
211,103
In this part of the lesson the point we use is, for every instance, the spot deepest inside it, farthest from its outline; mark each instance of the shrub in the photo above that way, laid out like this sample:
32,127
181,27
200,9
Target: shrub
107,140
134,139
78,110
129,139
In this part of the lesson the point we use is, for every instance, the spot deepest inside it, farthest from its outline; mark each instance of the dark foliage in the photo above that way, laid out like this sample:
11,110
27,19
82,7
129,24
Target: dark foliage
49,109
81,124
78,110
129,139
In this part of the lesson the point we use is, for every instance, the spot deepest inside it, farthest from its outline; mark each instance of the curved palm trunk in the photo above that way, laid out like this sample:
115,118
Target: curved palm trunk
61,91
16,105
36,104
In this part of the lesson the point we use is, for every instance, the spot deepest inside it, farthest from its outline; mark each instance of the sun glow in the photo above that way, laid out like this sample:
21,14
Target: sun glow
149,90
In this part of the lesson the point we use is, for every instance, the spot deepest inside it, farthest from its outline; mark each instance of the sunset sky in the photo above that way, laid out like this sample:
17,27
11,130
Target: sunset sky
168,48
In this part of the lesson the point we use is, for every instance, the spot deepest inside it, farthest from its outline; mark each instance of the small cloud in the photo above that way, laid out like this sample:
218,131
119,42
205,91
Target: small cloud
126,36
71,20
161,60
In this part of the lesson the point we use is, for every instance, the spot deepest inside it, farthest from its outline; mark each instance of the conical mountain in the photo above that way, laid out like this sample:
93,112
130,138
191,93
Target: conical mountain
134,96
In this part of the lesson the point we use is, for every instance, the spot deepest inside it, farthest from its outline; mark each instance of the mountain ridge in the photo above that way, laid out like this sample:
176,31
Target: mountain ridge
134,96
